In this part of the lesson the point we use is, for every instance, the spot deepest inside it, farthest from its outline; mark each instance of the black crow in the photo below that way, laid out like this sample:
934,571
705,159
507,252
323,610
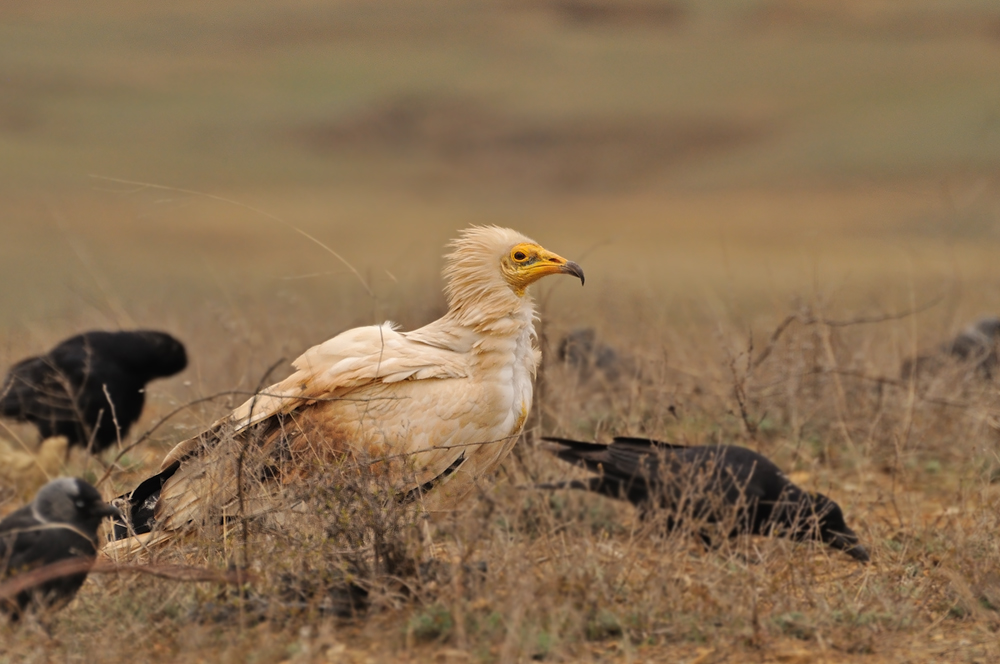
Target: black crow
708,484
60,524
86,383
582,350
976,346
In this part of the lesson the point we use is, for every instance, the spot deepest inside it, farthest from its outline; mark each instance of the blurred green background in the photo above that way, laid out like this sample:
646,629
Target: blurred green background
711,158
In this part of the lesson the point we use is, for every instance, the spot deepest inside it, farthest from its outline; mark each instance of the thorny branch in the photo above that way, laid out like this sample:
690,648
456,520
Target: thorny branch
806,318
740,392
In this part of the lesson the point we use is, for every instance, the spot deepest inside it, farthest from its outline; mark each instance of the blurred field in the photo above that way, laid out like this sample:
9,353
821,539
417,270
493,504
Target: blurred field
714,167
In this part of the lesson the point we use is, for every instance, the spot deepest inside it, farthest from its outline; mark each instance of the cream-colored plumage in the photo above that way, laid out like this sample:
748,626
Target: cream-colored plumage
431,410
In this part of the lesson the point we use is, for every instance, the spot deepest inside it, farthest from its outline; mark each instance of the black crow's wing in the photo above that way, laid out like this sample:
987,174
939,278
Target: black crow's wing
20,542
78,360
108,387
26,543
612,461
34,548
576,445
758,475
617,478
35,388
16,392
18,520
647,443
110,381
624,459
592,456
634,461
42,388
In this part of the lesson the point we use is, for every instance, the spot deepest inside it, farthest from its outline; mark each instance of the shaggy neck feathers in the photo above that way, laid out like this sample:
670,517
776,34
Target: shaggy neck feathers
478,294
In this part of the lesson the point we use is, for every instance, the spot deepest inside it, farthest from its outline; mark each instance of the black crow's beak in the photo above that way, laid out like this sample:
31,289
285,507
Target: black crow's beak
849,545
859,553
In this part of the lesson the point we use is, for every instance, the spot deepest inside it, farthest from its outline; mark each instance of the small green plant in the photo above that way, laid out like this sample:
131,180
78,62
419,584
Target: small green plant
603,625
434,623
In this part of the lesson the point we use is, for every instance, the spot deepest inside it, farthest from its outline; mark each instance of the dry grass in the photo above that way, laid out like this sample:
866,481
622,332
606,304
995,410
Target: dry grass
340,571
716,168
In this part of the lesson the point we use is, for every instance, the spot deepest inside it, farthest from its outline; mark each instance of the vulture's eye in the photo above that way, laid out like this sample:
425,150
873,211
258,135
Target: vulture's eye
80,504
519,255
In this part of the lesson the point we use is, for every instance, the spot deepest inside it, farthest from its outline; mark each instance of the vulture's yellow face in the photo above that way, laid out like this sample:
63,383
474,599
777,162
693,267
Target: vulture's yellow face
527,262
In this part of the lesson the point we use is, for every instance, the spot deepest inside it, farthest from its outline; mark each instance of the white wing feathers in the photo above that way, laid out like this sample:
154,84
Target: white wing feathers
353,359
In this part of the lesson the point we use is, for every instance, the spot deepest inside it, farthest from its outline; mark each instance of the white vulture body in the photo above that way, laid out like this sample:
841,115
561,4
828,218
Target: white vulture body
430,410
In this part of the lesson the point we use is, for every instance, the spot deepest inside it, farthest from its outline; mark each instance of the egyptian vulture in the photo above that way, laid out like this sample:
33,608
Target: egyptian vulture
430,410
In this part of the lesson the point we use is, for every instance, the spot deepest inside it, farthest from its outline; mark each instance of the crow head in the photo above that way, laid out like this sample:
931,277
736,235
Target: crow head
831,529
72,502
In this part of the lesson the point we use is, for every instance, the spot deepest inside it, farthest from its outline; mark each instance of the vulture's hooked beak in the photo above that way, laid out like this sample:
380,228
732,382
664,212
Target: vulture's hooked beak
569,267
550,263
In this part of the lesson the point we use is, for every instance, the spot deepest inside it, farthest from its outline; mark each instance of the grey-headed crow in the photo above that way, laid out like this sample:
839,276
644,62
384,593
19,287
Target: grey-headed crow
59,524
